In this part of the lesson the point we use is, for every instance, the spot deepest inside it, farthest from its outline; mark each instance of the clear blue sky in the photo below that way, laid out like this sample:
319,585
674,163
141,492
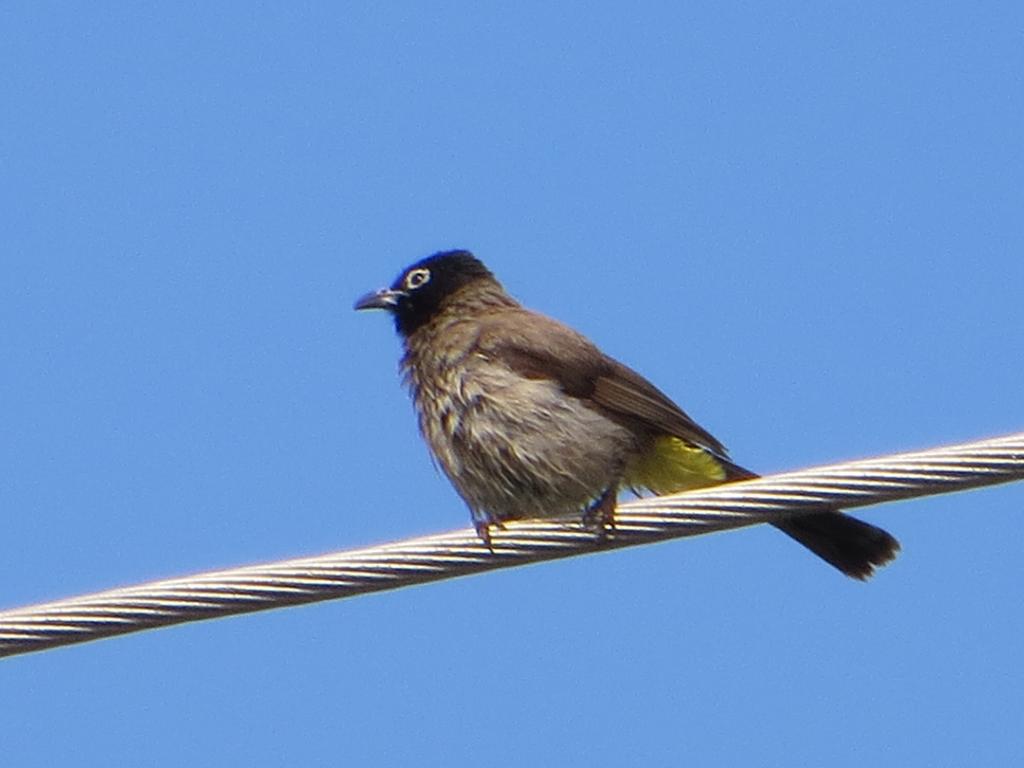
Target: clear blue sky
804,221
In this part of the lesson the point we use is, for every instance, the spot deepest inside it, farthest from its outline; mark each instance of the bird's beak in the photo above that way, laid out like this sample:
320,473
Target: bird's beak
385,298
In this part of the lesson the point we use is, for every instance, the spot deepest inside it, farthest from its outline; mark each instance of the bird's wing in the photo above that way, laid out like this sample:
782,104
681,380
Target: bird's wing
538,347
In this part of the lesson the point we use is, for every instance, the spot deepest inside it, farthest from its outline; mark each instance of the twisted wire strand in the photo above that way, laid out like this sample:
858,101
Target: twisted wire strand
460,553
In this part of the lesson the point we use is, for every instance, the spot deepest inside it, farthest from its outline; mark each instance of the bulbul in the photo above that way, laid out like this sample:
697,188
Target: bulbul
529,419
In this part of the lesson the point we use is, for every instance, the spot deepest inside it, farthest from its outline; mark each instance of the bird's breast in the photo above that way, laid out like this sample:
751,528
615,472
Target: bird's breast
513,446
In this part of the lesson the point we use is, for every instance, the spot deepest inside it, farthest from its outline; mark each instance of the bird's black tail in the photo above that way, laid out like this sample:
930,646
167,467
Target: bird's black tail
854,547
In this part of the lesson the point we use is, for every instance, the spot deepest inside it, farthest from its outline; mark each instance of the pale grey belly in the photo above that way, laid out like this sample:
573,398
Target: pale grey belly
516,447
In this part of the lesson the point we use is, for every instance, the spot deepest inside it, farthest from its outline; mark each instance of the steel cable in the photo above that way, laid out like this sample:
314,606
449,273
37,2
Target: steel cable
460,553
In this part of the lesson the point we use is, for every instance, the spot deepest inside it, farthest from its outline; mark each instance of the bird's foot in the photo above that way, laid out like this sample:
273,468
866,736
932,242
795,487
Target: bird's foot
600,514
483,530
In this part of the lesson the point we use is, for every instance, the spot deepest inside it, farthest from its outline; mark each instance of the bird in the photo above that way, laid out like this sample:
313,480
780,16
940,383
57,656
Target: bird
529,419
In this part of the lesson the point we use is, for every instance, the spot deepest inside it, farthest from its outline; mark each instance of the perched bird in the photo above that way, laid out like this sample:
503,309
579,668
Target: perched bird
529,419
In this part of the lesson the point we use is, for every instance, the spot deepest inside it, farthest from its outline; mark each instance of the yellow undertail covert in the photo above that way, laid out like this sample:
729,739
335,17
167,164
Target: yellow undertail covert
673,465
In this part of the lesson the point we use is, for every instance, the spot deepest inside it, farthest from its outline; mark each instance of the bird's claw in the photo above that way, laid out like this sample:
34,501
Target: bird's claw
600,515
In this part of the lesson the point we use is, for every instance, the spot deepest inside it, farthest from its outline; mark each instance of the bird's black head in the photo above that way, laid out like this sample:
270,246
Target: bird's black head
417,294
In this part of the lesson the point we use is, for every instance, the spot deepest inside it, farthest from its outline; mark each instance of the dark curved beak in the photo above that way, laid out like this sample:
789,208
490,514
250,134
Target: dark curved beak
385,298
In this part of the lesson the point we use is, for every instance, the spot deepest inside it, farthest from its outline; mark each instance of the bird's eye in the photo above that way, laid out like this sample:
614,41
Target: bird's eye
416,278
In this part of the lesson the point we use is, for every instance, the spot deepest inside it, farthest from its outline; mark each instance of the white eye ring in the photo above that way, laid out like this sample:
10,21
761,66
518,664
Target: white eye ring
416,278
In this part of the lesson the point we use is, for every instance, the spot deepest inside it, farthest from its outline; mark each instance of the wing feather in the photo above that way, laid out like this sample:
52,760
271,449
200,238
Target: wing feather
539,347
